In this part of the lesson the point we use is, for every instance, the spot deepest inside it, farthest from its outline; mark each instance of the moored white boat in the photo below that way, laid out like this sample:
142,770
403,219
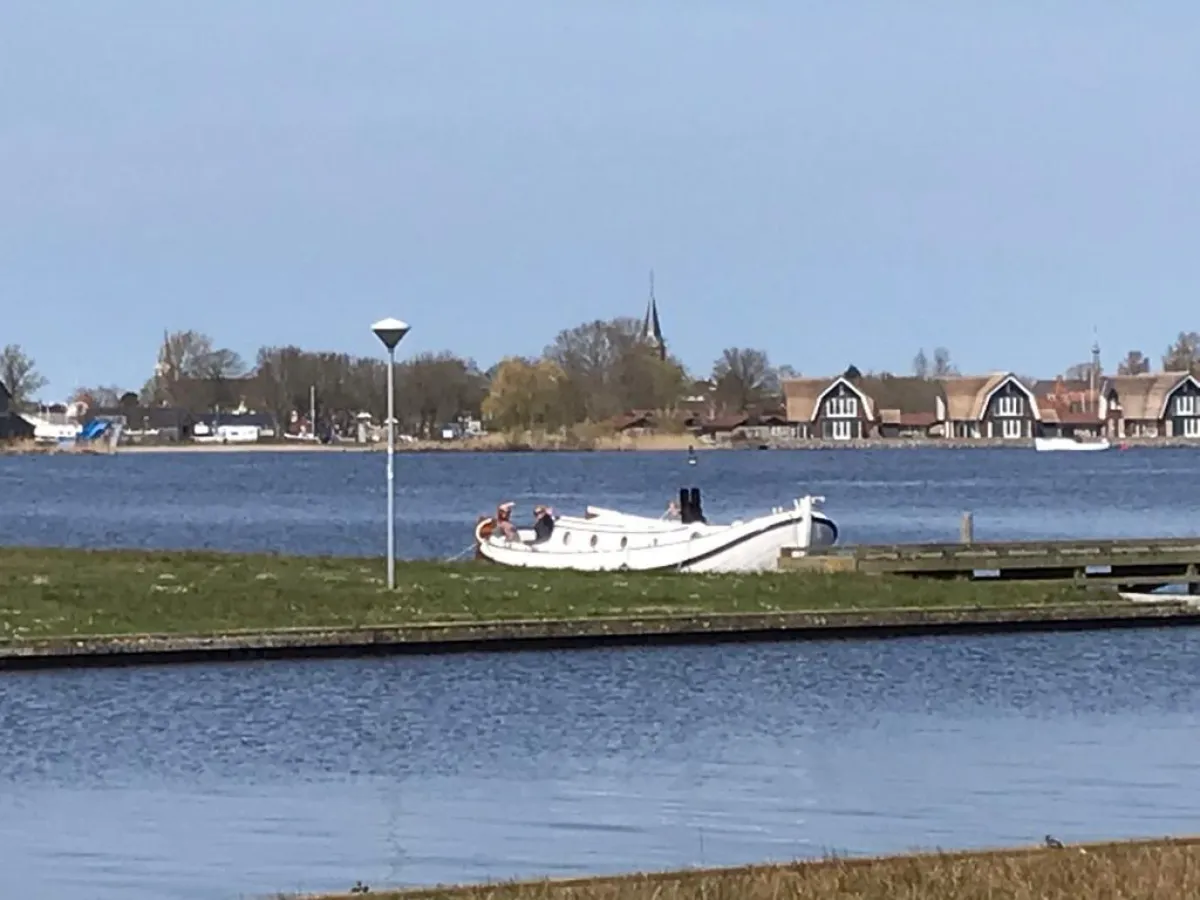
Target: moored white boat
608,540
1045,444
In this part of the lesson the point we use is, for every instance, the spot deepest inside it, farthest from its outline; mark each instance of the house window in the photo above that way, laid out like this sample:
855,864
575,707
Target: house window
1191,428
1011,429
842,407
843,429
1186,405
1010,405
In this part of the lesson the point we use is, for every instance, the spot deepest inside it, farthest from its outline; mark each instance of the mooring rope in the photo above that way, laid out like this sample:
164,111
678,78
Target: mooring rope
456,557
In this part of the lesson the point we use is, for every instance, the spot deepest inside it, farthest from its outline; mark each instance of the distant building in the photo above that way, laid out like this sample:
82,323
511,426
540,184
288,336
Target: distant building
652,332
13,425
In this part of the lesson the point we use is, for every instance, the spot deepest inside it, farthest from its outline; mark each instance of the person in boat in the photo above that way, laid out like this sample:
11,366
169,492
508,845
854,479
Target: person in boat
543,523
504,521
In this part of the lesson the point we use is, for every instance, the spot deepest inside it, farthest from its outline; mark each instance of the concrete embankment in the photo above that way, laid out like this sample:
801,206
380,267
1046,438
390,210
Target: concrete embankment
317,643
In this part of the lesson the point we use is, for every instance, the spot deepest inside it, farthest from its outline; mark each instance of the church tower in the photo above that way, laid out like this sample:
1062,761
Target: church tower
651,327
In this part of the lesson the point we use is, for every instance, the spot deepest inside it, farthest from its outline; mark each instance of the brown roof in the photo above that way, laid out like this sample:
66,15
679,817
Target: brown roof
966,395
1046,387
1144,396
800,395
1067,417
629,420
901,394
724,423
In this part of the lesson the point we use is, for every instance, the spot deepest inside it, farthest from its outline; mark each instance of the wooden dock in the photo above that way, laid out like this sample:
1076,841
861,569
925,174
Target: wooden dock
1128,564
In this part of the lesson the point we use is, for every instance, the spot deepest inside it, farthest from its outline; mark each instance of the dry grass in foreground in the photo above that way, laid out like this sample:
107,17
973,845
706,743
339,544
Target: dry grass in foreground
1136,870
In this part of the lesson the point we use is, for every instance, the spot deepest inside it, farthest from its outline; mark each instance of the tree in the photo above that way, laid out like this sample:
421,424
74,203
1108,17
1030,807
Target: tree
745,381
19,374
920,364
103,397
608,368
194,374
942,367
1184,354
438,388
1079,372
1134,363
525,394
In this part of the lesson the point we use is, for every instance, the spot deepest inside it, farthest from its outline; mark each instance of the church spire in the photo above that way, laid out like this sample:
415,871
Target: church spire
651,328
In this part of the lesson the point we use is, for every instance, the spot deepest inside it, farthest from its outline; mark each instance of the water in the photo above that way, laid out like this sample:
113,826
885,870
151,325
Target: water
219,781
210,781
335,502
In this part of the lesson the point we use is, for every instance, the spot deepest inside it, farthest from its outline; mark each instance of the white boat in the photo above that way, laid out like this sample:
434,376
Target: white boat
608,540
1045,444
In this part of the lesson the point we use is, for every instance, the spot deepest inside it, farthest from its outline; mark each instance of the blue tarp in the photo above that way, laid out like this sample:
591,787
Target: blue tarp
93,430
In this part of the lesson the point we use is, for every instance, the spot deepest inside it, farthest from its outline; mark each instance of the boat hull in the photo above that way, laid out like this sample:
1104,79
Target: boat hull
1069,445
611,541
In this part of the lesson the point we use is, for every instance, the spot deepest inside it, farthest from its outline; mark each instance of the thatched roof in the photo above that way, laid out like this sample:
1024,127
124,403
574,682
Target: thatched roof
1144,396
895,395
800,395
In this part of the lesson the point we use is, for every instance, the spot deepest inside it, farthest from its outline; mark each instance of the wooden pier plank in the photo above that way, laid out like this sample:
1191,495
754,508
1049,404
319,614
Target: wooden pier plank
1143,561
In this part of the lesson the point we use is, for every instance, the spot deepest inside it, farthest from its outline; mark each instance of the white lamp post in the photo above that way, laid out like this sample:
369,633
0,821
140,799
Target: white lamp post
391,332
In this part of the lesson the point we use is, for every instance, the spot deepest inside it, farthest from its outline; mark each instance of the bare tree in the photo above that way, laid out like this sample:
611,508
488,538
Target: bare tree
1078,372
1184,354
101,397
607,368
19,374
745,380
439,388
1134,363
920,364
942,366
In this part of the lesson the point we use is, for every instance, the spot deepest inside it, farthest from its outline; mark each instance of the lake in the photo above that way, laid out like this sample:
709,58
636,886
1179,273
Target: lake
218,781
335,503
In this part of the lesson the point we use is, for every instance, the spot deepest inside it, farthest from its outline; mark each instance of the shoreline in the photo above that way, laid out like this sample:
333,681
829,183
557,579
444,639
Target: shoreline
648,444
1125,869
517,635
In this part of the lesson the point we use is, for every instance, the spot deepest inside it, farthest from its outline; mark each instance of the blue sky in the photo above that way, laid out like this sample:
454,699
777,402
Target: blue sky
832,182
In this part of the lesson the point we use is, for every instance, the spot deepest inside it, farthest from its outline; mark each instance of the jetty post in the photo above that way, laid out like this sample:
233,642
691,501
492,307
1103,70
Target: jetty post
966,530
391,332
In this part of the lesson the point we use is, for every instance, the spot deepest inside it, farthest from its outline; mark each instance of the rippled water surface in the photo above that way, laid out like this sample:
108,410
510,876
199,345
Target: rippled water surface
335,502
207,781
221,781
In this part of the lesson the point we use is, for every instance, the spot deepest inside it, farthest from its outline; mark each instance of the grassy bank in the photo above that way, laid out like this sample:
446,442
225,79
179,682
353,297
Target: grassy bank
1163,870
52,593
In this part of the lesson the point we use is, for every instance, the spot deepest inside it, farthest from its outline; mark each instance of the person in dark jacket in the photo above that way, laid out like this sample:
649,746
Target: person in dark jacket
543,523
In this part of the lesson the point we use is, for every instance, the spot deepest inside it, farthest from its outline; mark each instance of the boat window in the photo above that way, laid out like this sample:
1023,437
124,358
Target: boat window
624,542
566,536
695,534
595,538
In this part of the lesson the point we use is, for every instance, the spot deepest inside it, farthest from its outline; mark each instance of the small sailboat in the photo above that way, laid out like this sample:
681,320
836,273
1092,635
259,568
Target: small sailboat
691,456
608,540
